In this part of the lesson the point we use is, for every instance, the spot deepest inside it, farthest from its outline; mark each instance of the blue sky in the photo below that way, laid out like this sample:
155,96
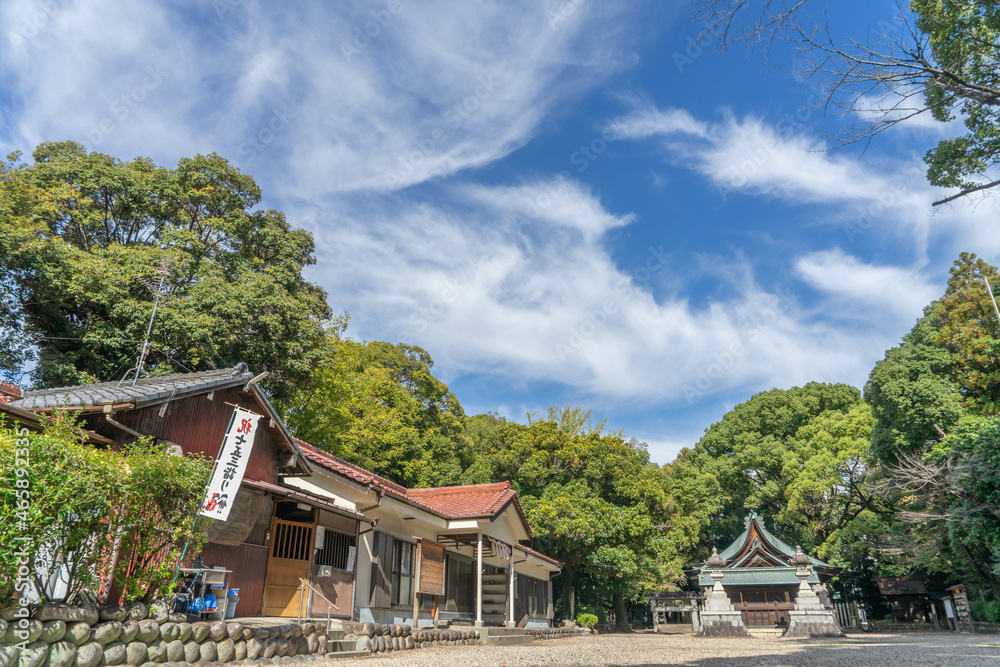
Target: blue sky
563,202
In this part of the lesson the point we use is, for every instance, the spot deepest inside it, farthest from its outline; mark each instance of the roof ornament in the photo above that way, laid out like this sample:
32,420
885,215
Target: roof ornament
750,517
715,560
800,560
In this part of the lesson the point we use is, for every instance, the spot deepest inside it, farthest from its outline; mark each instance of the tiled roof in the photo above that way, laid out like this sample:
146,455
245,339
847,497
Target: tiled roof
9,392
349,470
474,500
529,550
450,502
144,392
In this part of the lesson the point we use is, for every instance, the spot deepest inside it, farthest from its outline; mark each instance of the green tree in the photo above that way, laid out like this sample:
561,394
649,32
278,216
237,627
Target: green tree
968,329
378,405
911,396
942,58
768,454
595,502
84,237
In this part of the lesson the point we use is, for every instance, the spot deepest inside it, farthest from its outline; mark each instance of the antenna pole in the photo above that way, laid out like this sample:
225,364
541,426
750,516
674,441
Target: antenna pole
159,294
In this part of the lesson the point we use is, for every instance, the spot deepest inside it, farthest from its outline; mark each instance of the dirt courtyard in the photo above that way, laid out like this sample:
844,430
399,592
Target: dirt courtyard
896,650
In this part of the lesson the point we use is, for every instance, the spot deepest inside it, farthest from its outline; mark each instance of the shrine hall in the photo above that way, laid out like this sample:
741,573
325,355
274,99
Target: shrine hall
758,578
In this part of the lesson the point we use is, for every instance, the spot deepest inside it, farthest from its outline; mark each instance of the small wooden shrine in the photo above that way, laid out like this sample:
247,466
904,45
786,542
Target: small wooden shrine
759,577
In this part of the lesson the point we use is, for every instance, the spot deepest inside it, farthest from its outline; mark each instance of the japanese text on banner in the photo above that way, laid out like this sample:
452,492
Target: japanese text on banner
231,465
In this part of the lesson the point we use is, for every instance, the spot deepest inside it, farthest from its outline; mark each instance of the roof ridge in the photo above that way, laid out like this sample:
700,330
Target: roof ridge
461,488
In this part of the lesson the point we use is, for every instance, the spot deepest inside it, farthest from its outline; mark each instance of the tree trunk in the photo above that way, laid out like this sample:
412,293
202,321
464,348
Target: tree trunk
566,589
621,613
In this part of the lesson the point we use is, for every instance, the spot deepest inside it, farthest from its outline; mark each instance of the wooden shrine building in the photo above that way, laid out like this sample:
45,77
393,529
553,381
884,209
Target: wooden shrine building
759,579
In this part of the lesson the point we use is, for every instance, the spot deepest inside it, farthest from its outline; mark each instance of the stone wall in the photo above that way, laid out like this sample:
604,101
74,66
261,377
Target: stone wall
58,635
377,637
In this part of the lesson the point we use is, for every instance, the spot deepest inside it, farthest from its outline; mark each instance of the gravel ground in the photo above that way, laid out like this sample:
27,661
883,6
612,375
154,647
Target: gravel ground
898,650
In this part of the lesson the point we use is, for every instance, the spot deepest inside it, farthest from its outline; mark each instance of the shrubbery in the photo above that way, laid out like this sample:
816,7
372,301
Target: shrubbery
586,620
64,502
985,611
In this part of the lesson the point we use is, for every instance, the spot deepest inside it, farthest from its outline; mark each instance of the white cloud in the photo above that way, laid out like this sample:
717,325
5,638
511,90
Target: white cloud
322,97
492,288
882,197
865,290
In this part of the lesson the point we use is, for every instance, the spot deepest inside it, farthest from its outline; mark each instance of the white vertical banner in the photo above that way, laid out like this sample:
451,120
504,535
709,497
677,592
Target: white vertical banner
231,465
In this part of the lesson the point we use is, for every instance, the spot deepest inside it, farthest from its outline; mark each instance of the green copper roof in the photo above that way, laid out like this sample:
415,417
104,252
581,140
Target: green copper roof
773,540
756,576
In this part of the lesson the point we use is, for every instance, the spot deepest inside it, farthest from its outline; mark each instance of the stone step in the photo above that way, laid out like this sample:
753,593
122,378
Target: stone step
347,654
508,640
340,645
335,634
495,631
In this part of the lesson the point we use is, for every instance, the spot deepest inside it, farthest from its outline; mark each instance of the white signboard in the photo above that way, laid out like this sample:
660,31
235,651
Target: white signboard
231,465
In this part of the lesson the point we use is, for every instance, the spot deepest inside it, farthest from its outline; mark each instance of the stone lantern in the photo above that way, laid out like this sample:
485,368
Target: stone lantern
809,617
720,618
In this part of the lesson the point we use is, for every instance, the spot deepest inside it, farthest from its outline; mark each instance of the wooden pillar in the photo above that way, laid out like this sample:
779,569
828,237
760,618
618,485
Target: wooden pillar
479,582
416,585
510,594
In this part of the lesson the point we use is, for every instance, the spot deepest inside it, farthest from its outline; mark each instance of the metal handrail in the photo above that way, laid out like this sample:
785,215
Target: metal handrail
305,584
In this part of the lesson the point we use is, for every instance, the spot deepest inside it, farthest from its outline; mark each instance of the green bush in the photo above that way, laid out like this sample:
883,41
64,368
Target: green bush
64,501
985,611
586,620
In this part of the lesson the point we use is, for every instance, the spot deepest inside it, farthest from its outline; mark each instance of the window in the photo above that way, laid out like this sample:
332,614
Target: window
460,586
533,595
402,573
336,550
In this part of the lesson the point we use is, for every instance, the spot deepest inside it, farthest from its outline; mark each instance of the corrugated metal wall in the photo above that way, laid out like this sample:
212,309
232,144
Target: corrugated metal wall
198,425
248,563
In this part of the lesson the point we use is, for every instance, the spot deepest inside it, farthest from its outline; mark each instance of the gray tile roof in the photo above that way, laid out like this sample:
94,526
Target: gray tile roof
146,391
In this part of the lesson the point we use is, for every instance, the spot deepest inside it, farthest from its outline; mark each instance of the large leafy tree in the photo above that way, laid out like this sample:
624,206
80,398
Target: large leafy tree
934,398
595,502
795,456
942,58
87,239
378,405
946,366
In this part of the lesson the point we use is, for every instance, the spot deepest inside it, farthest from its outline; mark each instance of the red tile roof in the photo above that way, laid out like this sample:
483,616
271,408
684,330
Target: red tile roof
10,392
531,551
349,470
473,500
450,502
